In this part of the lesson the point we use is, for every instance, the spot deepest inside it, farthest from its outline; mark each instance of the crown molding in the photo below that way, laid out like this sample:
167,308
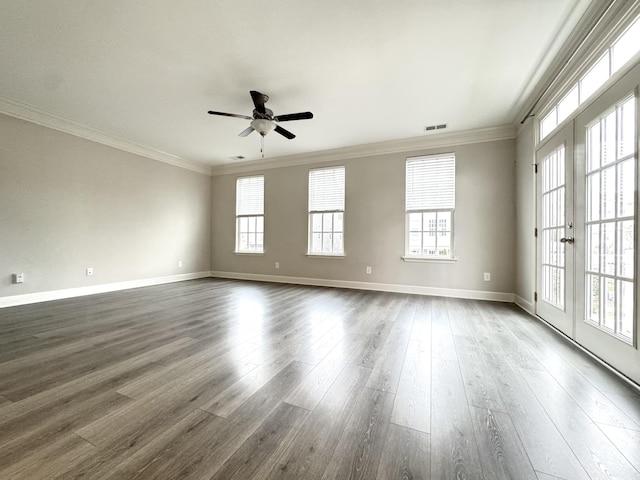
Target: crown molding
35,115
440,140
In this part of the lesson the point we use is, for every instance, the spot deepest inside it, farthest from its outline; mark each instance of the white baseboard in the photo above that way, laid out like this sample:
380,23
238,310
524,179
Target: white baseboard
526,305
382,287
37,297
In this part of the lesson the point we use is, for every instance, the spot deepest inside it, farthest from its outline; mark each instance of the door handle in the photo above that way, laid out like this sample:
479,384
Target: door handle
567,240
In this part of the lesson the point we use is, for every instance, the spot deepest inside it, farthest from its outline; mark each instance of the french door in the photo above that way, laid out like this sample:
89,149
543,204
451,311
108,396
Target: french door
555,231
587,191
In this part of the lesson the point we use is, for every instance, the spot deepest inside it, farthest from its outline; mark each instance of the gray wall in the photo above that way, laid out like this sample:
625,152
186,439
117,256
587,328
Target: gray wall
525,216
374,223
68,203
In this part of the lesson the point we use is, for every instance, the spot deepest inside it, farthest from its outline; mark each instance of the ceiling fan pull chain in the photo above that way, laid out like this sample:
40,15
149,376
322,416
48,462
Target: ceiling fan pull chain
262,145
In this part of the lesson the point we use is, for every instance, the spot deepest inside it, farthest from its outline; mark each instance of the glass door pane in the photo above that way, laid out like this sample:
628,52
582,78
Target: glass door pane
555,250
610,220
553,228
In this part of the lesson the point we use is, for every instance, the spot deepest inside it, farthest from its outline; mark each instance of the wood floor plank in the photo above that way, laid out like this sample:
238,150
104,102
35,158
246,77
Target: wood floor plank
405,456
11,350
627,441
120,436
360,448
246,419
592,448
629,404
454,452
205,360
388,366
259,453
421,326
311,390
174,453
441,337
592,401
228,401
49,462
547,449
365,347
501,452
60,370
106,378
321,347
46,426
412,404
480,387
175,400
309,454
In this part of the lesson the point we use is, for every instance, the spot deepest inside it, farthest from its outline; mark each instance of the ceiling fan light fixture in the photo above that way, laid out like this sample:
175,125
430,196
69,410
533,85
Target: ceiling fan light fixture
262,126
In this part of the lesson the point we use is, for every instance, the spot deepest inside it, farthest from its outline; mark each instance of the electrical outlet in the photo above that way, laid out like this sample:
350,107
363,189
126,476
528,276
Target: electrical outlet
179,263
18,278
368,270
487,277
277,264
89,271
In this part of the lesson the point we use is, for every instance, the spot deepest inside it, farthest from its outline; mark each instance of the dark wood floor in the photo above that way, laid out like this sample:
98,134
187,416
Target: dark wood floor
214,379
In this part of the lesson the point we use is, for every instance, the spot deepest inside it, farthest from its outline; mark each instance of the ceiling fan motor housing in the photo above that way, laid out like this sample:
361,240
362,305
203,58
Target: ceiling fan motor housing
263,125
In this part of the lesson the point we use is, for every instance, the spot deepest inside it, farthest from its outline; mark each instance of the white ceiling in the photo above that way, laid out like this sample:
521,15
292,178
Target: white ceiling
369,70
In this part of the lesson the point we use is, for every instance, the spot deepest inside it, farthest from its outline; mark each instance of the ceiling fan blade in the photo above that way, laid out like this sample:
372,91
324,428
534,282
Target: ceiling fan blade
259,99
284,133
211,112
246,131
293,116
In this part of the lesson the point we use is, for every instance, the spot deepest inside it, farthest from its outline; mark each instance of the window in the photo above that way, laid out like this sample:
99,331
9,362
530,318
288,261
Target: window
626,46
250,214
614,58
594,78
326,211
430,204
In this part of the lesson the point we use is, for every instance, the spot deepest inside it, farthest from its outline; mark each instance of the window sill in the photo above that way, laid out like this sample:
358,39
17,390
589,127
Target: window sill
325,255
250,254
429,260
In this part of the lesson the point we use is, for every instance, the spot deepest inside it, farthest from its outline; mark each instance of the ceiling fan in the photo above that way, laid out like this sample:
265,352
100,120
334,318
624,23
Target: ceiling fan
263,120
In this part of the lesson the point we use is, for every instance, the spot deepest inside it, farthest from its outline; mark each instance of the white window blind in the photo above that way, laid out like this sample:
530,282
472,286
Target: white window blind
250,196
431,183
326,189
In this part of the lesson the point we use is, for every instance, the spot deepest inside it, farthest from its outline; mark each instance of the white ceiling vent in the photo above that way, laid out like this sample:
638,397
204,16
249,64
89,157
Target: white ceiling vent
430,128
